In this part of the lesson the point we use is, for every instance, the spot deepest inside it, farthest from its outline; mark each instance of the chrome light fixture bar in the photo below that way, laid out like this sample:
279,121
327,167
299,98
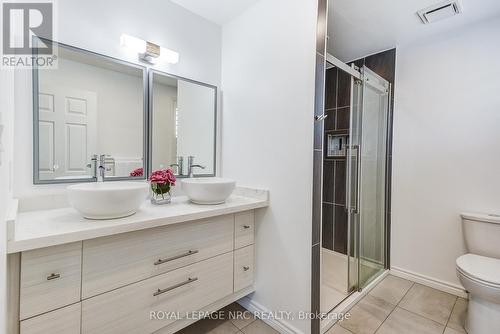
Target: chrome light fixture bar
147,51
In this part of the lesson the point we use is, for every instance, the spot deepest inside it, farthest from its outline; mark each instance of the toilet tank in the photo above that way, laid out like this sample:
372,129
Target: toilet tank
482,234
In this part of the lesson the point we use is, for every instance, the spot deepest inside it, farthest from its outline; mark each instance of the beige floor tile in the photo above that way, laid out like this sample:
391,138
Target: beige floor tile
258,327
430,303
401,321
367,315
392,289
337,329
238,315
457,319
449,330
209,326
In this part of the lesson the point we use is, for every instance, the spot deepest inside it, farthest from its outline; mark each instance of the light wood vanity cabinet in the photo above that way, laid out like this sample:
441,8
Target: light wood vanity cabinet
115,261
111,284
50,279
244,226
243,267
66,320
127,310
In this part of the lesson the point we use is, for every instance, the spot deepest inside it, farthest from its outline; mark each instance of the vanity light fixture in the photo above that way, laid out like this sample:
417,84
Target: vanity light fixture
149,52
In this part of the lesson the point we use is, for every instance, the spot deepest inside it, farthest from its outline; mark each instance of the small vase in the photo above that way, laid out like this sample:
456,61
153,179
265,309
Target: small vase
160,199
160,194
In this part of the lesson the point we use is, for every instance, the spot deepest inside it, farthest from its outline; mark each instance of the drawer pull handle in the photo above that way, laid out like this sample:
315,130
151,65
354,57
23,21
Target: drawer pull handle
53,276
246,227
246,268
162,261
160,291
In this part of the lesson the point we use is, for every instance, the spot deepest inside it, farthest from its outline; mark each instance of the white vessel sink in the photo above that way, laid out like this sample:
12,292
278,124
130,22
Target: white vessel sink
107,200
208,190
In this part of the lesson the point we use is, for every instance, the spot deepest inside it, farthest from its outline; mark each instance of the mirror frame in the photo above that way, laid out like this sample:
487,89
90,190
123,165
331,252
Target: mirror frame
36,144
151,73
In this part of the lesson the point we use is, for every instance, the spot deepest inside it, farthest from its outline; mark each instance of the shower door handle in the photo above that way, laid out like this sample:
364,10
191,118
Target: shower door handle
355,208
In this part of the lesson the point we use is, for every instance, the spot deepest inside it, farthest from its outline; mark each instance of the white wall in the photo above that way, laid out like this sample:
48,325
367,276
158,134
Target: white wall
268,92
97,25
164,140
446,146
6,138
196,125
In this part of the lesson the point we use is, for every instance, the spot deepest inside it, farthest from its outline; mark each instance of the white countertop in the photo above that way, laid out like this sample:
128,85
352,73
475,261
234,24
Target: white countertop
43,228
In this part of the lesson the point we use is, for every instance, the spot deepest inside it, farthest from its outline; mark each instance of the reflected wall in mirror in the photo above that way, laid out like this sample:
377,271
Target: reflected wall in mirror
183,124
89,106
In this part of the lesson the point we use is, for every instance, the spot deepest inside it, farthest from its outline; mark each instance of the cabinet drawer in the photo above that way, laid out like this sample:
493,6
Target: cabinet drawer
243,267
115,261
244,229
62,321
50,279
127,310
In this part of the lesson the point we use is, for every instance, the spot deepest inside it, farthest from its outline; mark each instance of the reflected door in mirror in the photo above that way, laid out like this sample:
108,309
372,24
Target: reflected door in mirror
67,131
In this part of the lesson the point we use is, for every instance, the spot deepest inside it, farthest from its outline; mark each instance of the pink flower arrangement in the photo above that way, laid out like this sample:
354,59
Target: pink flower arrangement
137,172
162,180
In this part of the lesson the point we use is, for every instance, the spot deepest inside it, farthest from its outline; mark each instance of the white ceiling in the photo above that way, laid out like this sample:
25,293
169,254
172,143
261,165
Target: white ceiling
217,11
357,28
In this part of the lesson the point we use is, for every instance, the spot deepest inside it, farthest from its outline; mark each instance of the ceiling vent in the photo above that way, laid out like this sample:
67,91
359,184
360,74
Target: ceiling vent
440,11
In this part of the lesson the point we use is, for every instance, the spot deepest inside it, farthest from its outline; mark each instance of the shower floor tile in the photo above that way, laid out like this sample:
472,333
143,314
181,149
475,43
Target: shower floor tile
334,266
330,298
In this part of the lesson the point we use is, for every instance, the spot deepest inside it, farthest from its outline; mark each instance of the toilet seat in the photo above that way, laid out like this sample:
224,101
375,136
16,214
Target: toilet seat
480,269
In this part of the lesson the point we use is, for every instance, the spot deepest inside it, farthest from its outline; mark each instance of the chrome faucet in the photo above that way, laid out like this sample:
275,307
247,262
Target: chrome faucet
179,165
101,168
191,166
93,165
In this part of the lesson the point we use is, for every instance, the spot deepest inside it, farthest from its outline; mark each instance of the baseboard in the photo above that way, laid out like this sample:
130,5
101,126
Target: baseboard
431,282
280,325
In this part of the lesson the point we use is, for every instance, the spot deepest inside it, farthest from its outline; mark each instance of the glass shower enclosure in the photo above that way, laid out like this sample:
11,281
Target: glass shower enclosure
355,253
366,178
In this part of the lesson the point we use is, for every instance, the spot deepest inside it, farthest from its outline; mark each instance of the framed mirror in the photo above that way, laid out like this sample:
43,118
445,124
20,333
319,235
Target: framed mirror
183,122
89,111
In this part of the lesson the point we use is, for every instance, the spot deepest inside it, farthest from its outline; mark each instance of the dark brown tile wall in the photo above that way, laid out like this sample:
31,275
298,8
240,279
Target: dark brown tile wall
337,106
331,83
340,228
343,120
328,179
340,179
328,216
343,89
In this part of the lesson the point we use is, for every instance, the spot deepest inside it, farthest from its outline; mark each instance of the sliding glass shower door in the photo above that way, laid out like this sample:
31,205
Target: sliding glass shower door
353,247
366,186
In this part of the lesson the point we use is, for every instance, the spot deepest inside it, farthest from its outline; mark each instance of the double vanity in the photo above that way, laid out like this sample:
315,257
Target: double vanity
101,259
155,271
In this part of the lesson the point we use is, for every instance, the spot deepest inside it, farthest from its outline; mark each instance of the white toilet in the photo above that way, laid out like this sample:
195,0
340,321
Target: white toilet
479,272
